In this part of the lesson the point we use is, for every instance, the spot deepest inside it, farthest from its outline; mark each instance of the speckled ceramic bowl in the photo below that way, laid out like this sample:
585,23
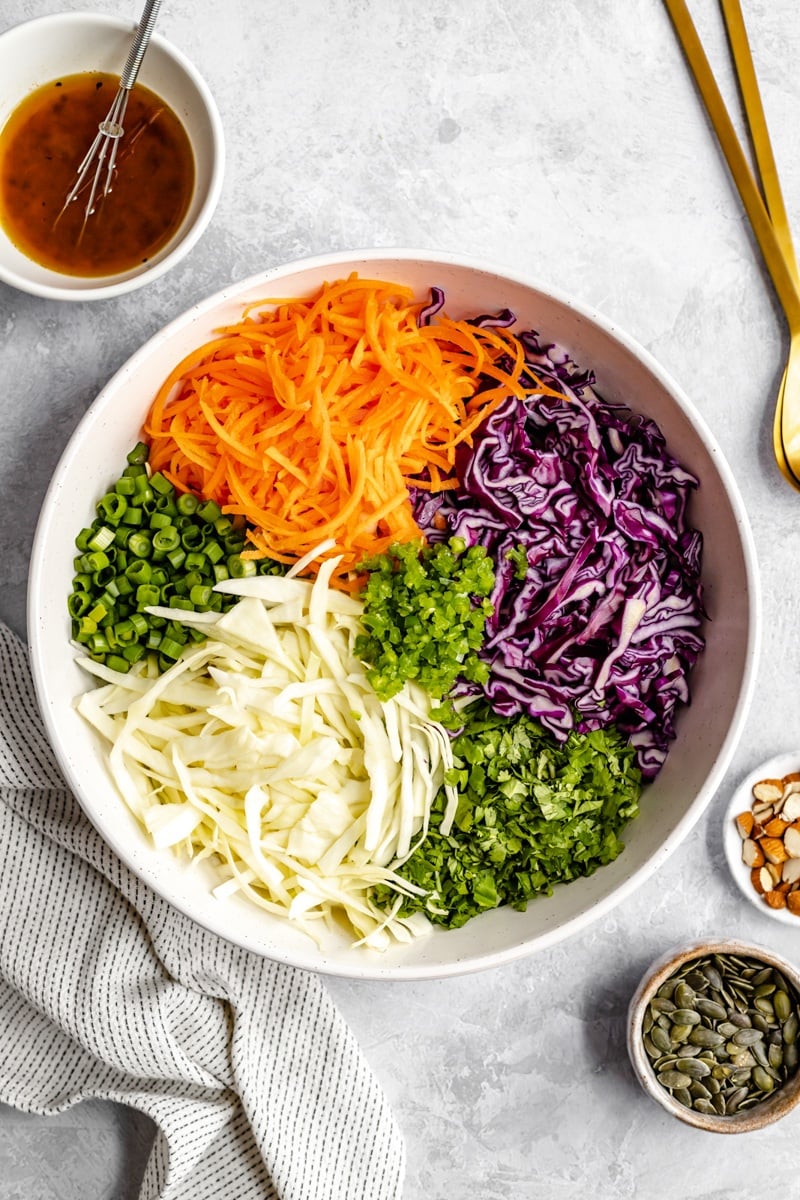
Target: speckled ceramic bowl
775,1106
67,43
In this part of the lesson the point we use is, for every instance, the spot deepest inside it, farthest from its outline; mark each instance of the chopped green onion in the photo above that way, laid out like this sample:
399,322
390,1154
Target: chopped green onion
166,538
140,545
187,504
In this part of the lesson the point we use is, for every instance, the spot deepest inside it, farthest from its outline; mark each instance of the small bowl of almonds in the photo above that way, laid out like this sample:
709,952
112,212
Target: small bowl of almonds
762,838
714,1035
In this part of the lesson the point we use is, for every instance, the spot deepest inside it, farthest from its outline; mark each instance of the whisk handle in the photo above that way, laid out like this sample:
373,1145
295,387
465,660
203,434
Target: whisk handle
136,52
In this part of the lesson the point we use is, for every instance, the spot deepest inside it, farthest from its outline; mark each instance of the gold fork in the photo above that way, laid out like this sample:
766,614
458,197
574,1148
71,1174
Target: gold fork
767,213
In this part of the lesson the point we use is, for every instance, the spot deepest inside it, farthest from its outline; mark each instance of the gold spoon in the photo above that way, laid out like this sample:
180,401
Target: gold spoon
767,214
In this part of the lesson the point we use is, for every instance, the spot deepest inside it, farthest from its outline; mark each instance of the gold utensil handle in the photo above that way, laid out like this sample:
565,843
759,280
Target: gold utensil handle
782,275
759,133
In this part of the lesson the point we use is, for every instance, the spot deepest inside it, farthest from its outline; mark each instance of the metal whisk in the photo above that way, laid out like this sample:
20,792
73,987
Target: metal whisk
110,131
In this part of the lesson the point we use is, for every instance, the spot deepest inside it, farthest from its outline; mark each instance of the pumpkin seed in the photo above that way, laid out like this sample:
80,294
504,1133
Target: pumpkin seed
702,1105
680,1033
762,1079
765,1007
713,976
660,1038
735,1098
684,995
746,1037
675,1079
782,1005
790,1027
775,1057
710,1008
702,1036
694,1067
683,1096
780,981
685,1016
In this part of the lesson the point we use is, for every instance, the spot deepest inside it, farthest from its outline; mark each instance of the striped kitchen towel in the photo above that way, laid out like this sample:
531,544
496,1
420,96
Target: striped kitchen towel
254,1080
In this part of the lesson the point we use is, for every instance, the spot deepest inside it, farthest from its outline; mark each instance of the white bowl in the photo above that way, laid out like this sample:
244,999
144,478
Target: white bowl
707,730
742,801
38,51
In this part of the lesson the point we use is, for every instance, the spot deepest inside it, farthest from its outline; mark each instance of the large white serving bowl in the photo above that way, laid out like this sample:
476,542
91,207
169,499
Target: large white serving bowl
707,730
68,43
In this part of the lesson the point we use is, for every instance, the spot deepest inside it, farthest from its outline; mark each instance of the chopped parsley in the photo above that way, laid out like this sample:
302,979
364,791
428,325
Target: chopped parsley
532,813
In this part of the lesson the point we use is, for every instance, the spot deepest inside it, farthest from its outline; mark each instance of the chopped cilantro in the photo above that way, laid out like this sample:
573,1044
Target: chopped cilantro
425,610
532,813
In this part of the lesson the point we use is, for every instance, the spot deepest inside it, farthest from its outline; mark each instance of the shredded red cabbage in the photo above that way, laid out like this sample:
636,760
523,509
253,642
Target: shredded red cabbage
604,627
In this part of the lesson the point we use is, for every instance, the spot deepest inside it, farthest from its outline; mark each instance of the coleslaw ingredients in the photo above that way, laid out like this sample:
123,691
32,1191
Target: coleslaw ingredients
266,748
313,417
531,813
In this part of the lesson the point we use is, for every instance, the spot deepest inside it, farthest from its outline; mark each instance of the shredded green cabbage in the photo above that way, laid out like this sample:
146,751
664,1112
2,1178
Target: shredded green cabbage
267,749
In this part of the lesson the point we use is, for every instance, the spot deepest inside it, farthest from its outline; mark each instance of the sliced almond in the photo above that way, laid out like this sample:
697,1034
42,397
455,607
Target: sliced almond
752,854
791,809
776,827
790,870
793,903
761,880
744,823
775,899
774,872
767,791
774,849
791,841
762,812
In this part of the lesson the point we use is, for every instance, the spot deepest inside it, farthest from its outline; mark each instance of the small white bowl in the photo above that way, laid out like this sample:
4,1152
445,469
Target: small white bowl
777,1105
38,51
742,801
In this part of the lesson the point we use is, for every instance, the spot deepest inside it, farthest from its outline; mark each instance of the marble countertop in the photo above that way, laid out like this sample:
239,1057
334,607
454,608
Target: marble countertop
564,140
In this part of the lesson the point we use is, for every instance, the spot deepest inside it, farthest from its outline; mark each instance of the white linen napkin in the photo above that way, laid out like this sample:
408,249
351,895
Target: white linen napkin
254,1080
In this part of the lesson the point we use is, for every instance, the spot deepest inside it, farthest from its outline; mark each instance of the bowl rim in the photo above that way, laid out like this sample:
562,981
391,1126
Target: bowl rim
353,258
116,286
740,801
662,968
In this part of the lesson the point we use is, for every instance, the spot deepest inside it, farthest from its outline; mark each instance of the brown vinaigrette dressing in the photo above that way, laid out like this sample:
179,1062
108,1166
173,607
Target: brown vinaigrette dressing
41,147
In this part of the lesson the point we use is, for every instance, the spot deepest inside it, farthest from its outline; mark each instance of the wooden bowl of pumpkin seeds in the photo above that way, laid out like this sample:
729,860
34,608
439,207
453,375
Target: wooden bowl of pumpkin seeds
714,1035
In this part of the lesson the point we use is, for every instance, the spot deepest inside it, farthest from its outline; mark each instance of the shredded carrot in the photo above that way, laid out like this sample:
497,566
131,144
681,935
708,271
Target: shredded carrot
313,417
